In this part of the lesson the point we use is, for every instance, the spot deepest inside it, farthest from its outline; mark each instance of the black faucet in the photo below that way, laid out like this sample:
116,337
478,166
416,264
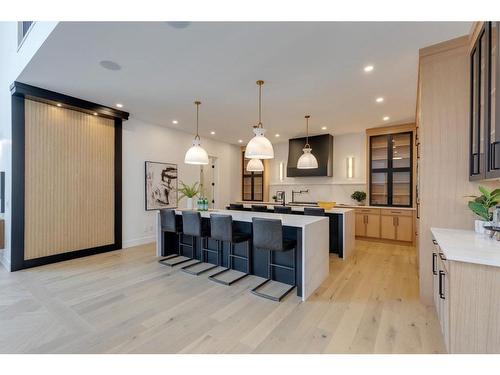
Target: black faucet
298,192
281,195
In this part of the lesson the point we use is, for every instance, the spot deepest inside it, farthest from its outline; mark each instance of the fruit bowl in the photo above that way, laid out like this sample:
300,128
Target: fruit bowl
326,205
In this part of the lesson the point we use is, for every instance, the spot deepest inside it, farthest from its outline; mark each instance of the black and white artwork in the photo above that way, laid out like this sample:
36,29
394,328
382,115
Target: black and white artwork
161,185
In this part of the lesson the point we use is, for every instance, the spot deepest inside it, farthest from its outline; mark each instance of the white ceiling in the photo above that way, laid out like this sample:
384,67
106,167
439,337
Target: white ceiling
308,67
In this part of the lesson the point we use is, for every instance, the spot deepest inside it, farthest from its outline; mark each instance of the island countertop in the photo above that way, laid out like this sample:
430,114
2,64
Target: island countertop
335,210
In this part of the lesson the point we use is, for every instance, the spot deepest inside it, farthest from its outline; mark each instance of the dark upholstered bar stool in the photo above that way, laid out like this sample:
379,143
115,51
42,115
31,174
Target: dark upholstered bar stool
236,206
169,224
192,225
259,208
268,235
282,209
221,230
314,211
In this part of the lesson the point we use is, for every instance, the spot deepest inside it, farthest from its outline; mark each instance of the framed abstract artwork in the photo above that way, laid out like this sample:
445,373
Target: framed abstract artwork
161,185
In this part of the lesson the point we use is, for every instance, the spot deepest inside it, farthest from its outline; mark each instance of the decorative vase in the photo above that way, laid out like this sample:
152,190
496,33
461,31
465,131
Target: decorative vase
479,226
189,203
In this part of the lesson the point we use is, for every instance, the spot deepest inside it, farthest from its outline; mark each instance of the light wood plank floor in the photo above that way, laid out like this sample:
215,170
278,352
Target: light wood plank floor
126,302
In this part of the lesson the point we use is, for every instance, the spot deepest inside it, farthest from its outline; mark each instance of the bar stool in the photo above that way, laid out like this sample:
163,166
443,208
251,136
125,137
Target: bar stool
192,225
314,211
221,230
236,206
169,224
282,209
259,208
268,235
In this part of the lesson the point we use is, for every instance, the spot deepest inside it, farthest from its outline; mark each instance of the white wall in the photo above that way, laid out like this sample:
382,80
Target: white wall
12,63
143,141
337,188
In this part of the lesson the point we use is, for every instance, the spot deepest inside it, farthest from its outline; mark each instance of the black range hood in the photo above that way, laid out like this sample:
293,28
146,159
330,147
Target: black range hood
322,149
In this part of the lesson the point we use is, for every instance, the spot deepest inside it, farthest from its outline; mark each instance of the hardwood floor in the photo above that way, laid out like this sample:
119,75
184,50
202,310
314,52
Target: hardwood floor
126,302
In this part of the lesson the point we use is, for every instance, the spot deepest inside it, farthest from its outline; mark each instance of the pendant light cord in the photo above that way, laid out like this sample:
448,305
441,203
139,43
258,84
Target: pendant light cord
260,83
307,131
197,117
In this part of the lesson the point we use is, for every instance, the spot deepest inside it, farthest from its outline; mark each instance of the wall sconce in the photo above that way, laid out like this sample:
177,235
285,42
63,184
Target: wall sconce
350,166
281,171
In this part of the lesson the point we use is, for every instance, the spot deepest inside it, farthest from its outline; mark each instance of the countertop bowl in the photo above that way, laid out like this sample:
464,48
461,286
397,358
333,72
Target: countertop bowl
326,205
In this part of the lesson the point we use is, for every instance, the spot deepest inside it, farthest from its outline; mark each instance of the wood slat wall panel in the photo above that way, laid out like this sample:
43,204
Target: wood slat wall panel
69,188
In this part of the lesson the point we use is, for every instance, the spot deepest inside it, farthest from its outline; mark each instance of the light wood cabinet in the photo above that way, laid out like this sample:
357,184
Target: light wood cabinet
385,224
467,301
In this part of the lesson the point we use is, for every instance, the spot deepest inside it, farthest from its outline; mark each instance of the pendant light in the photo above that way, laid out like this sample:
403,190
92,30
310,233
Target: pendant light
307,160
196,154
259,146
255,165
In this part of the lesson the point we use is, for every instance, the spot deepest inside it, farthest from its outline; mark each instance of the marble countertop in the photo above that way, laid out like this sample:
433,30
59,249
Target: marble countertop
467,246
338,205
299,221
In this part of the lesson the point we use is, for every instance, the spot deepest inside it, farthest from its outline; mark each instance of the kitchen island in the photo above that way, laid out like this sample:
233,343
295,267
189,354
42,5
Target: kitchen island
310,232
342,226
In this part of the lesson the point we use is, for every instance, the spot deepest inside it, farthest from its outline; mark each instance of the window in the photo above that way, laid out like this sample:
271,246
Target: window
23,29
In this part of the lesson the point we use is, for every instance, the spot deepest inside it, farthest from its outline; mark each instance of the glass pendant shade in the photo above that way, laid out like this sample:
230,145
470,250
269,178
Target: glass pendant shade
255,165
196,154
307,160
259,146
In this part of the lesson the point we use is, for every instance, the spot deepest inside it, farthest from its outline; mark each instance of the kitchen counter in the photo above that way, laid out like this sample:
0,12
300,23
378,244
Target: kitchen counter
335,210
338,205
467,246
310,232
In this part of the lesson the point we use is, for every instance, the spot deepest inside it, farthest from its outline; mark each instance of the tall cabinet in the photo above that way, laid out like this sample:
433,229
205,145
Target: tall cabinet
254,185
484,124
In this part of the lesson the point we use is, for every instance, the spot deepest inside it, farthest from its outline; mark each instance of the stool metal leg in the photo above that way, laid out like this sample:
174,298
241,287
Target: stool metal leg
271,265
187,268
170,259
230,262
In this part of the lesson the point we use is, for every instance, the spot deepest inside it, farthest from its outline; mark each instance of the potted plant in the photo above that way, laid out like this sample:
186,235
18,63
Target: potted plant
481,206
359,196
189,192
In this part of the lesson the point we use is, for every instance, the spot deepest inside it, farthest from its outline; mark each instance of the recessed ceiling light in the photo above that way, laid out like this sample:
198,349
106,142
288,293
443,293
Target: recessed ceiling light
276,135
240,141
379,99
95,113
110,65
212,132
119,105
323,128
175,122
59,104
386,118
368,68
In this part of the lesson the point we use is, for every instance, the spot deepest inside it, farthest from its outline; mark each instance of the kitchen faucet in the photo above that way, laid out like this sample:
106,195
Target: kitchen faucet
298,192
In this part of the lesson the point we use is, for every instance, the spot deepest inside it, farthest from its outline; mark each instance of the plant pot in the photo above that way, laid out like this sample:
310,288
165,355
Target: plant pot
362,203
479,226
189,203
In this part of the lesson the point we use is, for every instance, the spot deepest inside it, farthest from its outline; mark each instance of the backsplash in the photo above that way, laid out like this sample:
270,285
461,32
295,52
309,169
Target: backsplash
340,193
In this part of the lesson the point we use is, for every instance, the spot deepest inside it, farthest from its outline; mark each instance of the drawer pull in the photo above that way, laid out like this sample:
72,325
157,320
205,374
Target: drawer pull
434,257
441,285
434,242
441,256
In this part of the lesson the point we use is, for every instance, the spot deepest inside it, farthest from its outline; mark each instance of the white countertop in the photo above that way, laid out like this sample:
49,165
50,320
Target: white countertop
299,221
335,210
467,246
341,206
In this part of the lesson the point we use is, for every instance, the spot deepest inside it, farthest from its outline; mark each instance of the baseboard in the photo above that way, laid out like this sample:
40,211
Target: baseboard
138,241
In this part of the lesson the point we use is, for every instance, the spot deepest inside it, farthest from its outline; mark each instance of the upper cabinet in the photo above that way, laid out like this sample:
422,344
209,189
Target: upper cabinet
484,153
391,177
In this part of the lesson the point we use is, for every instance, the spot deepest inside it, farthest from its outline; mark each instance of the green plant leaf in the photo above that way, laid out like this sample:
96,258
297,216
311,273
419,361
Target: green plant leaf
485,192
479,210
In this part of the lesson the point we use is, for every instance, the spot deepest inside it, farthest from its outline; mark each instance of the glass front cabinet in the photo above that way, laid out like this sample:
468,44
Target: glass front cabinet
391,174
484,152
252,183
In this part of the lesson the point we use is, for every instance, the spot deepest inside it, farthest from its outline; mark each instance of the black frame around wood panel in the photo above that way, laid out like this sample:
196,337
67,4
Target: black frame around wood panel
20,92
390,170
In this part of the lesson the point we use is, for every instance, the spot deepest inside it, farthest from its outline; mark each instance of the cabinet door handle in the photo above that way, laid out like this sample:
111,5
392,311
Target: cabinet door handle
366,219
434,258
441,256
397,221
395,212
441,285
434,242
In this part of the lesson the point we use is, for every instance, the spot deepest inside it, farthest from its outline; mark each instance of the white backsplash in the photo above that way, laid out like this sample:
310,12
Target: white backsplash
340,193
